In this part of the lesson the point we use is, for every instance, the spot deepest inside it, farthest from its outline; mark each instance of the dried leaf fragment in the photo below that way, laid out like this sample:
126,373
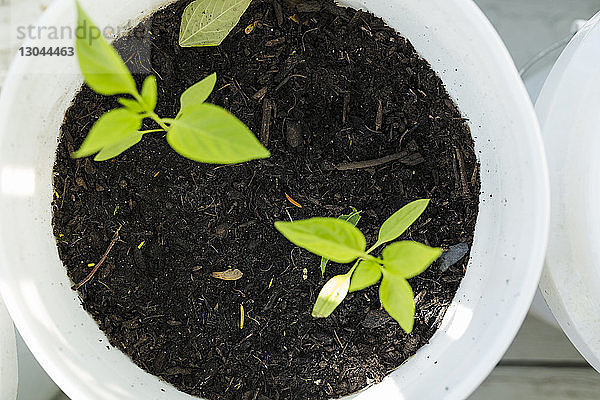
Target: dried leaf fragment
294,202
250,28
229,275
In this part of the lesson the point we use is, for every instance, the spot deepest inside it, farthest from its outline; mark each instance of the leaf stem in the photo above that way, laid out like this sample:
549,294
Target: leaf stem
376,245
152,131
353,268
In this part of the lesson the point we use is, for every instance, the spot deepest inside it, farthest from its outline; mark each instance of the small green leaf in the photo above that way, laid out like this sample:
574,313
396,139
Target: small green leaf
331,296
408,259
332,238
210,134
112,129
208,22
150,92
398,299
102,68
399,222
353,218
198,93
131,105
367,274
114,150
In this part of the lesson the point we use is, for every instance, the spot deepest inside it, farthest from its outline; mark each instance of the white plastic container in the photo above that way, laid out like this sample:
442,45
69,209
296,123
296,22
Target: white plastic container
507,254
568,112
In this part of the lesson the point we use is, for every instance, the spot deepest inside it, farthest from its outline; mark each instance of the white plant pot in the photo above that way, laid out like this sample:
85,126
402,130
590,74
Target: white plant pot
507,254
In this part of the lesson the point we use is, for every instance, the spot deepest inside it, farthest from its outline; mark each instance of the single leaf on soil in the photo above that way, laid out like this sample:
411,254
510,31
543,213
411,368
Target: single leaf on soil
399,222
199,92
150,92
229,275
332,294
397,298
353,218
408,259
332,238
103,69
208,22
367,274
208,133
112,131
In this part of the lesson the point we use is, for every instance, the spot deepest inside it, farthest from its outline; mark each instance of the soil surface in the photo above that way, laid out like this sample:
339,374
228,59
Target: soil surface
353,117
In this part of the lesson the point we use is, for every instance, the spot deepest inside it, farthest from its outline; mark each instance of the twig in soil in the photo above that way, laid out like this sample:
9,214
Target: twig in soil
379,116
338,339
345,109
285,80
474,176
62,196
97,267
310,30
278,12
407,132
461,170
266,122
260,94
405,157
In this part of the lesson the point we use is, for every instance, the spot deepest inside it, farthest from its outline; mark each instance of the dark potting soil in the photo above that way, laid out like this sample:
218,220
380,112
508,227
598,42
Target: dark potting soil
353,118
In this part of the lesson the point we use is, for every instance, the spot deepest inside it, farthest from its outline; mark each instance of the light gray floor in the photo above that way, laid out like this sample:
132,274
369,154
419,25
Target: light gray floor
528,26
541,363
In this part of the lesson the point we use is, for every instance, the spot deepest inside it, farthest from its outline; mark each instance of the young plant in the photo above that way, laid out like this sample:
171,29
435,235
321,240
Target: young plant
200,131
208,22
340,241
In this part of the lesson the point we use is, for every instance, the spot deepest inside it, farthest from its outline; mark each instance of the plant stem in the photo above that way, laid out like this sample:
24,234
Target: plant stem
158,120
150,113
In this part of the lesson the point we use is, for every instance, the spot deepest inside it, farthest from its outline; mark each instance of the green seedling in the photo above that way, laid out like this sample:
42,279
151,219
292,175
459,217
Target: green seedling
340,241
208,22
200,131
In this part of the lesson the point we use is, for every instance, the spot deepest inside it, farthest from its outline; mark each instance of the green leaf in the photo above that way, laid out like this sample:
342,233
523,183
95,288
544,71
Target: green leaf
408,259
198,93
114,150
332,238
367,274
399,222
353,218
210,134
332,294
208,22
102,68
398,299
150,92
111,131
131,105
